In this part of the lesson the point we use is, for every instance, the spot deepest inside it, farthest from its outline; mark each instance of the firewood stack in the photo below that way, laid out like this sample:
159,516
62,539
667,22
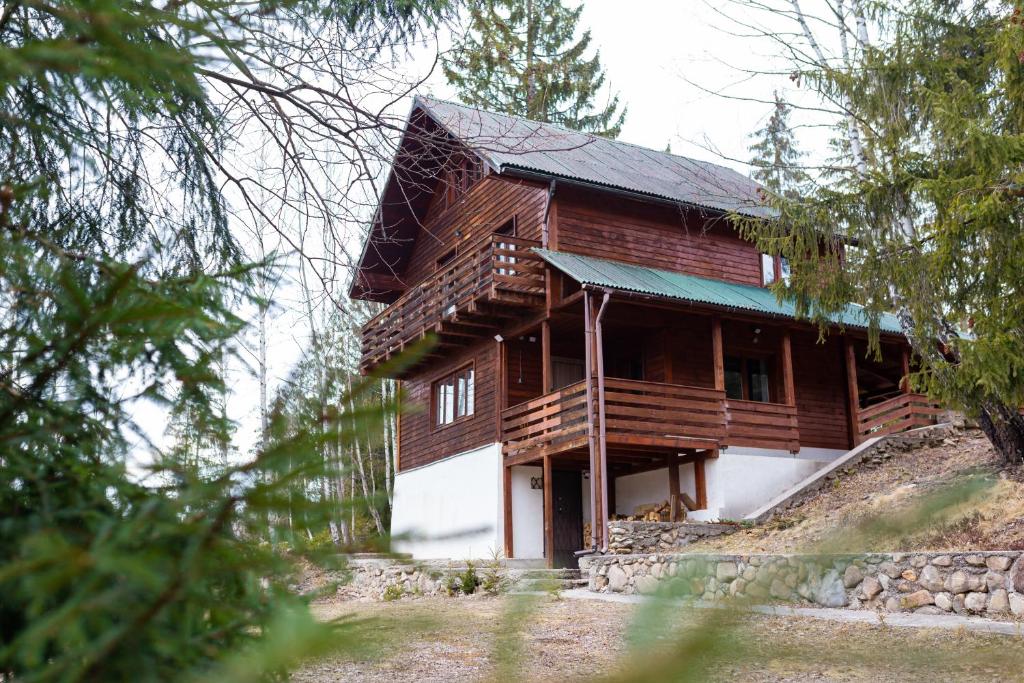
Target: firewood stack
651,512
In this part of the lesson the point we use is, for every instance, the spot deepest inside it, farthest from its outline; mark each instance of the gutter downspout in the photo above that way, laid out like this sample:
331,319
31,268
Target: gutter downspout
547,211
588,336
603,438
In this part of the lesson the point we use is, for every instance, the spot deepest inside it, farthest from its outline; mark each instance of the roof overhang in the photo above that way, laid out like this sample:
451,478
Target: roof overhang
633,280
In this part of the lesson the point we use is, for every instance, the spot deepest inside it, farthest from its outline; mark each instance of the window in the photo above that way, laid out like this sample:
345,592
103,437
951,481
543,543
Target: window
774,268
453,397
767,269
508,229
784,270
748,379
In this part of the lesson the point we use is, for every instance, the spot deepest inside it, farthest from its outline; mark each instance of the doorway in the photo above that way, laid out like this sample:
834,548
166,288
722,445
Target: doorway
567,517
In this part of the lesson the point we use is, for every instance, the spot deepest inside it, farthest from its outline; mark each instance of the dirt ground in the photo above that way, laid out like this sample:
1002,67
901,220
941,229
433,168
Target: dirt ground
469,639
871,508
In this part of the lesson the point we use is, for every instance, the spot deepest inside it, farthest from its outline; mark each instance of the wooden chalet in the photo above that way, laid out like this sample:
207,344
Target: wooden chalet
599,338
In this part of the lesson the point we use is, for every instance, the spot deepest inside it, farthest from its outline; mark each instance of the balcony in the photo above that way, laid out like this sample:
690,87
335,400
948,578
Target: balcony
496,278
645,416
899,413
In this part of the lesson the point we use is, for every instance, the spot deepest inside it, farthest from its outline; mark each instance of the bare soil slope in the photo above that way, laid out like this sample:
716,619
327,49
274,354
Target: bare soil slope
891,503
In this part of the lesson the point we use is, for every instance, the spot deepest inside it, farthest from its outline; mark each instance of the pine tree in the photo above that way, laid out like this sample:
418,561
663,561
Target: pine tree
923,209
118,560
776,159
521,57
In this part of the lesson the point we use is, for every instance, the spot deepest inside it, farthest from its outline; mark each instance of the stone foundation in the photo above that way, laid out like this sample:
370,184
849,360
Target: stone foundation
640,538
989,583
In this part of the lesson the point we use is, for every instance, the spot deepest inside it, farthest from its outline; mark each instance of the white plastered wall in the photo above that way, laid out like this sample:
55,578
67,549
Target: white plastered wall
527,514
739,481
452,508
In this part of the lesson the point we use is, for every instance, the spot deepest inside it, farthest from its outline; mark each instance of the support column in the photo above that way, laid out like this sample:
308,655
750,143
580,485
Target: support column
672,462
904,381
549,526
506,486
852,393
700,483
787,369
545,354
717,352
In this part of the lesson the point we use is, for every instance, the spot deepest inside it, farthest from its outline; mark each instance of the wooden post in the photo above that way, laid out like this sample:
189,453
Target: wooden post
545,351
507,502
787,368
673,487
502,396
852,393
666,356
700,483
549,526
717,352
611,495
905,381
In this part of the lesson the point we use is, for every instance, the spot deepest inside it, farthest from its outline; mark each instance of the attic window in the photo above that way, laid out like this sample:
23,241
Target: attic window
445,259
508,228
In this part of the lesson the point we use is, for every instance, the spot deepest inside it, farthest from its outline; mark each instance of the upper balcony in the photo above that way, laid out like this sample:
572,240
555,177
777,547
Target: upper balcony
496,278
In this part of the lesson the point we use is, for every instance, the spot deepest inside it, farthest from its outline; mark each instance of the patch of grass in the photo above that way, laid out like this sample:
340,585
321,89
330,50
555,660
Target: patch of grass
393,592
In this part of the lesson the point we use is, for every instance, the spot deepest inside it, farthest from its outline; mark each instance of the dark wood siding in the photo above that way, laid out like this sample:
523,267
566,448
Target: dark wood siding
820,391
525,371
422,443
688,241
487,206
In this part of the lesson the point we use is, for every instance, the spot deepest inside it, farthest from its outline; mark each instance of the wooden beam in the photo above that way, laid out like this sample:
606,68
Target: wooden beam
545,350
673,487
700,483
611,493
666,355
787,369
852,393
549,526
507,494
718,355
502,396
905,362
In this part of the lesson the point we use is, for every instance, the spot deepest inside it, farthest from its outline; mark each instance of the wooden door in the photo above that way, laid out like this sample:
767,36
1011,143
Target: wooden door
567,503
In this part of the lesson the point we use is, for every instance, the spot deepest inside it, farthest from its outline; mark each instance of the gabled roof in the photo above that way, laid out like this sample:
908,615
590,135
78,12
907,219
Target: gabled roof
510,144
588,270
514,146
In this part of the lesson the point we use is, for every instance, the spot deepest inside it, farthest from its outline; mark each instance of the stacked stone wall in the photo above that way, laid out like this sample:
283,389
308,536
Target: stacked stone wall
983,583
639,538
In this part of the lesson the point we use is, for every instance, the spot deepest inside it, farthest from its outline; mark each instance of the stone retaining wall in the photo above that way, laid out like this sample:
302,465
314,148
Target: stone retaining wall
372,578
989,583
638,538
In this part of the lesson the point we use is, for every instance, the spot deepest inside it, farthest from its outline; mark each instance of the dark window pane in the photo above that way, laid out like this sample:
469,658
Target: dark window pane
757,379
733,378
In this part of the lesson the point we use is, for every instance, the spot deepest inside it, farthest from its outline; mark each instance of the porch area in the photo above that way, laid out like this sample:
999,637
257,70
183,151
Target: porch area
639,399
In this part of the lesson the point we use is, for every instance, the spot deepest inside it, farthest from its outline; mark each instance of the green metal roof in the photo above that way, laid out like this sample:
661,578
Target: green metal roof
600,272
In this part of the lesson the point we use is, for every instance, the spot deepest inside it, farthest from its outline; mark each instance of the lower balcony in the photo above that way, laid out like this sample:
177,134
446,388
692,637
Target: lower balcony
897,414
643,417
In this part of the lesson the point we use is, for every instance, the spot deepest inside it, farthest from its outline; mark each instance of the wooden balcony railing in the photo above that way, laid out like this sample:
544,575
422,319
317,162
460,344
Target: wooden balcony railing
637,414
763,425
896,414
652,413
497,269
551,423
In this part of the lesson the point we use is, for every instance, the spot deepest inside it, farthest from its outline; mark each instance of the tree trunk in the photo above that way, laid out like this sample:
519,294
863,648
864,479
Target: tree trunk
1004,427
